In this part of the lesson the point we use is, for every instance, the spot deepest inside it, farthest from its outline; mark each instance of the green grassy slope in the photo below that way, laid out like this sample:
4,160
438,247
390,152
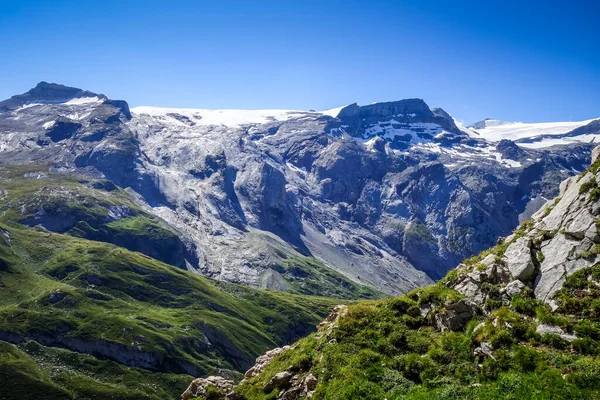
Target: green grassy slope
96,298
385,349
390,348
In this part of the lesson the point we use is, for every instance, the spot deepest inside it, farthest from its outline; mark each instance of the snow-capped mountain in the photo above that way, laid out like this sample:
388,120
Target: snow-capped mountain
538,135
391,194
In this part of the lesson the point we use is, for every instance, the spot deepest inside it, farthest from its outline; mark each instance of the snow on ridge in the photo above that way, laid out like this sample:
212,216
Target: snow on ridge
464,153
227,117
333,112
520,130
71,102
83,100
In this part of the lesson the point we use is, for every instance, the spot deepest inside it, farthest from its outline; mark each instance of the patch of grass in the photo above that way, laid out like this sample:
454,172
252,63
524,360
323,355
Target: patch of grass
587,186
173,322
308,275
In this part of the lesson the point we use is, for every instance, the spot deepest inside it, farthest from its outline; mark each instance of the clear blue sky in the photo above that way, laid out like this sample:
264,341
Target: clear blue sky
522,60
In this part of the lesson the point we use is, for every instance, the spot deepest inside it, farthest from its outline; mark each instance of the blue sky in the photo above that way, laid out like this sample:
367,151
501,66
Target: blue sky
511,60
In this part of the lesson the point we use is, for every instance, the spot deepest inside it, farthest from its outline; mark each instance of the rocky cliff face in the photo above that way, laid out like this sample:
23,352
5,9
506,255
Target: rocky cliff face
391,195
559,240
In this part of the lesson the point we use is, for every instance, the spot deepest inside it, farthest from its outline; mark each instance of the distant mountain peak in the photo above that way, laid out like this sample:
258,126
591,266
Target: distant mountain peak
49,93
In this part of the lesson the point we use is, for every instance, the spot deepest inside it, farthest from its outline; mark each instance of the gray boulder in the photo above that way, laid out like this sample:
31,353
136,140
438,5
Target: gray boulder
519,259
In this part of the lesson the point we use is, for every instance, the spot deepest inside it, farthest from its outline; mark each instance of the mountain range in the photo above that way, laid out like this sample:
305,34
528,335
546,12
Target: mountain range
136,244
389,195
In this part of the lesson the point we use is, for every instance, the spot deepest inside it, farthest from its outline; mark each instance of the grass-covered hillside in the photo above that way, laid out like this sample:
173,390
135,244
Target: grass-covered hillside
390,350
83,317
148,325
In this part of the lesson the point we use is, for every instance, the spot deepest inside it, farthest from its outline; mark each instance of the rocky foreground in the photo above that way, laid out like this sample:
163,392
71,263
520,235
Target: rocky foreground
520,320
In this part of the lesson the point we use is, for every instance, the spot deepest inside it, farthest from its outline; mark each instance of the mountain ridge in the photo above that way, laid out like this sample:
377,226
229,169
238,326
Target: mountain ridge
367,199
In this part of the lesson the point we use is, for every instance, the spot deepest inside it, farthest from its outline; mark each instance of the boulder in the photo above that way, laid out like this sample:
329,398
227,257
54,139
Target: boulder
211,388
471,289
280,380
456,316
514,288
519,260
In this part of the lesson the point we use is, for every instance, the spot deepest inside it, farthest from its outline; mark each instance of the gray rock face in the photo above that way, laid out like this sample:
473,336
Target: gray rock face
561,239
545,329
210,388
513,288
456,316
518,259
392,195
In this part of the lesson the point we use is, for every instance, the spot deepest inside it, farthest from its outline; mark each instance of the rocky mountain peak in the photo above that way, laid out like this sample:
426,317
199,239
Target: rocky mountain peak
49,93
402,123
387,109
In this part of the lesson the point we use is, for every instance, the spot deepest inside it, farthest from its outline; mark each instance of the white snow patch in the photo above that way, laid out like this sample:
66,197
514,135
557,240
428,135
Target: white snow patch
334,112
497,130
231,118
49,124
553,142
83,100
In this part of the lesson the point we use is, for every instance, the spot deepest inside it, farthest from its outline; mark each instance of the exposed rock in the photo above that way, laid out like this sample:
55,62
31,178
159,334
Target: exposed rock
263,361
328,324
211,388
595,152
280,380
518,259
514,288
488,260
484,350
456,315
546,329
472,290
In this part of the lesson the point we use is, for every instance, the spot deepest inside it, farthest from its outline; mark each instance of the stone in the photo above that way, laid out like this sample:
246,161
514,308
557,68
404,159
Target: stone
456,316
472,290
281,380
263,361
518,259
310,381
488,260
514,288
202,388
546,329
484,350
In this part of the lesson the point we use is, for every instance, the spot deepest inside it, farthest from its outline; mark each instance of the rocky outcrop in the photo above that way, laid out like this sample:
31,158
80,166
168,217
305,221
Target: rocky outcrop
211,388
264,360
560,239
456,316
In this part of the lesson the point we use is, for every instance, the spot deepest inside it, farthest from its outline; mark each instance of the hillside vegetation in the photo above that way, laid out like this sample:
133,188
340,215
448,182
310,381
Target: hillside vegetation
90,319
